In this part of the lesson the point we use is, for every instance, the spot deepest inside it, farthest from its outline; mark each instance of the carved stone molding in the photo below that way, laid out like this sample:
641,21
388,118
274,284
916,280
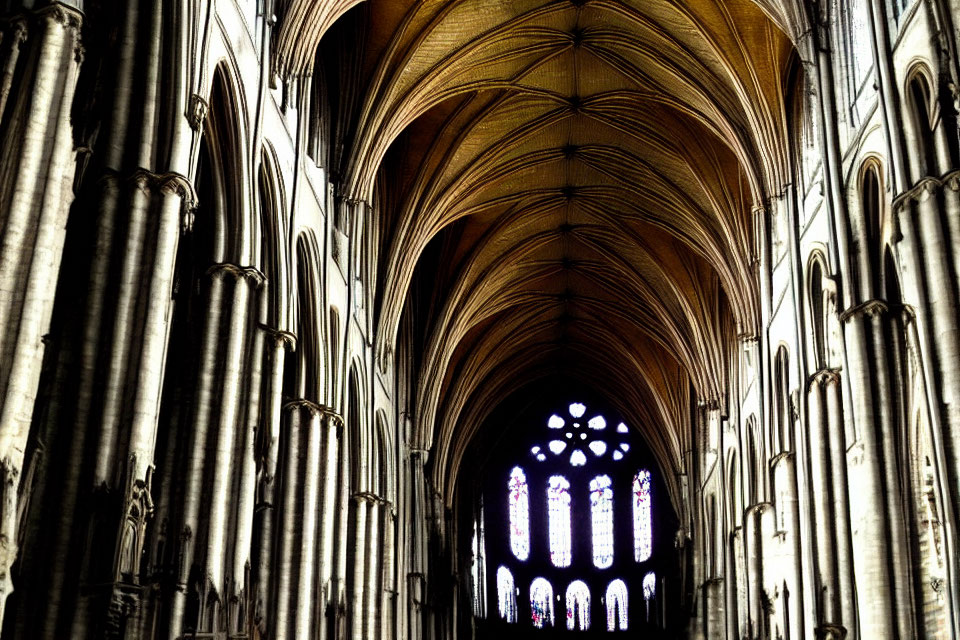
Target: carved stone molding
870,308
226,268
369,498
825,376
197,112
926,187
315,408
830,631
280,337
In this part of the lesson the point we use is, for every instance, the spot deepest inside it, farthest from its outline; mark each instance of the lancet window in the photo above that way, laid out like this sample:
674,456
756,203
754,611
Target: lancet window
519,514
617,609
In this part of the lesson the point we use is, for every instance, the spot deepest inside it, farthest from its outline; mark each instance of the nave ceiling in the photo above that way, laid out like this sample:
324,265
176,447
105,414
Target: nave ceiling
572,185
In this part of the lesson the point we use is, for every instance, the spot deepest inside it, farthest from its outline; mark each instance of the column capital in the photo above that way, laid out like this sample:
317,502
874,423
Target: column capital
169,182
872,308
368,497
830,631
61,14
825,376
280,337
227,268
926,187
315,409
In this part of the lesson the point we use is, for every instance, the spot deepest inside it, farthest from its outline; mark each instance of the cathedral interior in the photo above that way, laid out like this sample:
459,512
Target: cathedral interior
465,319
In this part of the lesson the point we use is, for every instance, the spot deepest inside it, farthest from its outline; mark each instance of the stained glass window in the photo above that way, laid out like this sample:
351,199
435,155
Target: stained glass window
617,606
601,509
541,603
649,586
578,606
558,505
506,595
642,517
577,458
519,514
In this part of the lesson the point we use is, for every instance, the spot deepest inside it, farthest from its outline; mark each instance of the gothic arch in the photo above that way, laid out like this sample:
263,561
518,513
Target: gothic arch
310,343
782,430
755,476
359,440
274,257
869,220
235,234
923,121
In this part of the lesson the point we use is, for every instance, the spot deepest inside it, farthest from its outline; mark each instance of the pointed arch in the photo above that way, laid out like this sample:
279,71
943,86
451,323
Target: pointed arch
274,257
309,375
224,138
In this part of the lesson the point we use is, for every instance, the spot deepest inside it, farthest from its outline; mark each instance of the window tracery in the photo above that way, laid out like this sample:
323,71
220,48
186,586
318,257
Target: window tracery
576,439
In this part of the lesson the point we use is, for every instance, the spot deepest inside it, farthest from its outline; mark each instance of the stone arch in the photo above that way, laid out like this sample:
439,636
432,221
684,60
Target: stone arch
273,256
358,430
782,420
309,372
868,218
821,310
221,146
335,352
753,466
734,501
387,465
927,137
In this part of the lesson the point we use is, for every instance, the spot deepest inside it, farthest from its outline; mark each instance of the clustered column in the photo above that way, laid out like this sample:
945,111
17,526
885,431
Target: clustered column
37,191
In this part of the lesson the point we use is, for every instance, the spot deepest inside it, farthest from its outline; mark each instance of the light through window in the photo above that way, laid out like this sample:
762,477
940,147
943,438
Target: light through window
577,459
541,603
506,595
558,505
617,606
578,606
601,509
649,586
519,514
642,517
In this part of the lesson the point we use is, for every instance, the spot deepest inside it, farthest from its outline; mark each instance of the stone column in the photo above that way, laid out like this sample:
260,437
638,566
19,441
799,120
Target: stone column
869,524
417,552
754,561
330,492
294,449
374,592
37,193
891,446
362,504
309,512
218,410
941,381
713,603
389,595
820,471
830,382
266,509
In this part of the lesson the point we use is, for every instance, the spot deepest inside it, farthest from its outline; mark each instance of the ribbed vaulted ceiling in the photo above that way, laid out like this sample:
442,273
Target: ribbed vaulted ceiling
586,172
